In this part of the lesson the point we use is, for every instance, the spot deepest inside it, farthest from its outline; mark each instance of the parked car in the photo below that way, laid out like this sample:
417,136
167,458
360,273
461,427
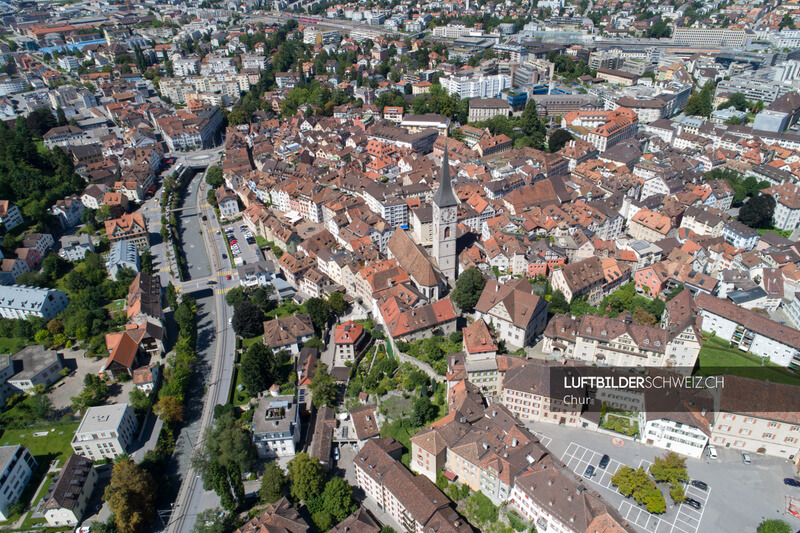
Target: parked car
589,471
224,256
228,277
699,484
336,453
604,461
791,482
691,502
712,451
746,458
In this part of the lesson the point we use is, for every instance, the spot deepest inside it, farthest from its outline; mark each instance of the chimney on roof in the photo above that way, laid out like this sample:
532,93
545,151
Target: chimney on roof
514,442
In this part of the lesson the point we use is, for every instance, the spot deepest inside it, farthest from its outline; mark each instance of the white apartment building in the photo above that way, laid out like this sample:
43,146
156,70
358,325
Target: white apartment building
10,216
19,301
750,331
276,427
185,67
105,431
451,31
787,205
680,437
16,468
69,63
480,87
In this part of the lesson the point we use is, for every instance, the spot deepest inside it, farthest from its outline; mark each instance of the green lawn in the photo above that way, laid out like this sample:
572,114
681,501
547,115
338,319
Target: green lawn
239,397
9,344
783,233
54,446
247,343
286,309
718,357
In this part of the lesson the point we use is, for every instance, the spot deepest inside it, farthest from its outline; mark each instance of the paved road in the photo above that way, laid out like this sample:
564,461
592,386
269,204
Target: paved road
216,346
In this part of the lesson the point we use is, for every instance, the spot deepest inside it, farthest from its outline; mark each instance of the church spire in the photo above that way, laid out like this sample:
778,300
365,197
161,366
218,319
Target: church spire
444,196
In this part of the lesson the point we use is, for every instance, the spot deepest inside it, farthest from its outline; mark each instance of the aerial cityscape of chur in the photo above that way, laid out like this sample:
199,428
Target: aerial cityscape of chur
399,266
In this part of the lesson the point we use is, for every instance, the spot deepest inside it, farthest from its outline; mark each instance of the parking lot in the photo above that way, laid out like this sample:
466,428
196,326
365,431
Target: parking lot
237,235
677,519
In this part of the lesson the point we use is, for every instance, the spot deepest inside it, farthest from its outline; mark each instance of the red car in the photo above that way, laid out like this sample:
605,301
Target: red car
228,276
233,241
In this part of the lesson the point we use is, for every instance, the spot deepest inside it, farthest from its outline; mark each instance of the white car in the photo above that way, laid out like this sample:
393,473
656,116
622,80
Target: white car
712,452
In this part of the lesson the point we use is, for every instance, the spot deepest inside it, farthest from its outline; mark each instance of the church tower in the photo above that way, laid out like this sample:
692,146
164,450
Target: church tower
444,223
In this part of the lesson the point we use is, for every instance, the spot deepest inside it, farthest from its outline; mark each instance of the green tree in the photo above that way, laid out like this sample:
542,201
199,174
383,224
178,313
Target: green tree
319,312
212,521
131,495
337,498
273,483
337,304
532,126
468,290
248,320
94,392
214,177
306,476
323,387
737,100
140,401
671,468
701,103
423,412
677,493
757,211
558,139
786,22
257,368
558,303
774,526
235,296
41,406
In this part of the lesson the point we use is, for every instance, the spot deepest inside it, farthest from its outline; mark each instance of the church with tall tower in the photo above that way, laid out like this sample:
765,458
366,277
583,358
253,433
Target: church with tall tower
445,206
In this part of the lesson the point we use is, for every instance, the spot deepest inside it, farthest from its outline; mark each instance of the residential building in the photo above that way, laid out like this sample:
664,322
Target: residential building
412,501
280,516
620,342
257,274
348,339
9,215
276,427
553,498
750,331
418,323
584,278
288,333
68,211
513,310
649,226
787,205
123,254
477,87
528,395
69,493
18,301
227,202
145,378
105,431
74,247
34,365
17,465
737,234
130,227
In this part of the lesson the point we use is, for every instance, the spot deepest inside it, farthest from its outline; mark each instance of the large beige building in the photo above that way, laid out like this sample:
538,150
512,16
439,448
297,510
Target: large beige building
619,341
758,416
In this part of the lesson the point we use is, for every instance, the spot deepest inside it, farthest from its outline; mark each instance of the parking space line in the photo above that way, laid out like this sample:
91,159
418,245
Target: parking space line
686,520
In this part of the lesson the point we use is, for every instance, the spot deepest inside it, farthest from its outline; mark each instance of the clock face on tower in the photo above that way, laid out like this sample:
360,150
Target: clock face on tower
448,215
